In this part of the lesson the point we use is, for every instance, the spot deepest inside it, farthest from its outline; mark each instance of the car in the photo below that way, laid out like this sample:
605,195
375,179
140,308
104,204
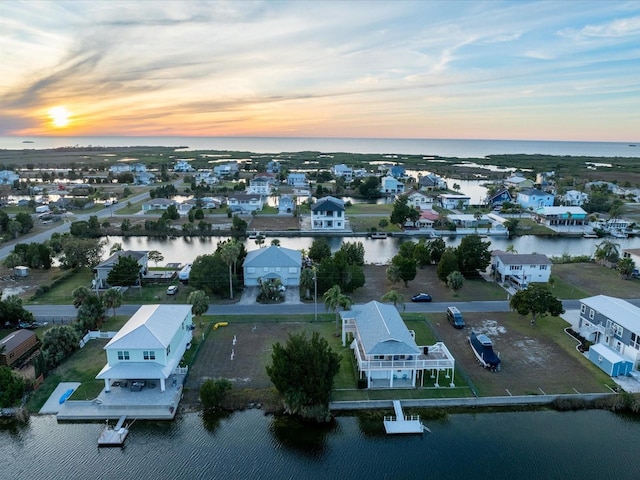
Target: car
421,297
172,290
455,317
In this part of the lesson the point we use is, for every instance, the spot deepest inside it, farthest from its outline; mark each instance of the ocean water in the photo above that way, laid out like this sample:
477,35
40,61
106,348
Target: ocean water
428,147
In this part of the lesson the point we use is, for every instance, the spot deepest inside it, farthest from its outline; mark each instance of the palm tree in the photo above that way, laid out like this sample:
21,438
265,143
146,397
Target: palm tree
625,267
511,249
607,251
334,299
394,297
393,273
230,252
116,247
199,302
307,281
112,298
80,295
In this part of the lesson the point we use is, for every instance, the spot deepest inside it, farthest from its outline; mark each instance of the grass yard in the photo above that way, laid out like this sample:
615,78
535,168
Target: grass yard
60,292
366,223
579,280
370,208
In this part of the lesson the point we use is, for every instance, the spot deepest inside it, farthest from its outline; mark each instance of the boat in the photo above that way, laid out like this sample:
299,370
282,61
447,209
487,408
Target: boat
618,234
483,349
379,235
183,275
65,396
589,235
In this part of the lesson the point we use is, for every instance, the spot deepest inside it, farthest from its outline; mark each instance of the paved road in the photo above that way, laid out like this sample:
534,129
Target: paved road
63,313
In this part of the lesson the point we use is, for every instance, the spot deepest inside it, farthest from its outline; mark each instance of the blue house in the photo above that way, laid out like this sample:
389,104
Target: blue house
613,325
397,171
286,204
498,198
533,199
391,185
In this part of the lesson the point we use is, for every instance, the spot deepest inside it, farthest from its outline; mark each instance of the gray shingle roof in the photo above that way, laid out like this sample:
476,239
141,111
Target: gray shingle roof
382,330
521,258
113,259
328,204
273,256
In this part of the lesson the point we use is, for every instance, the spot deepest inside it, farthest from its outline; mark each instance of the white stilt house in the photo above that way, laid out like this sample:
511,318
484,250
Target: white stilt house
386,351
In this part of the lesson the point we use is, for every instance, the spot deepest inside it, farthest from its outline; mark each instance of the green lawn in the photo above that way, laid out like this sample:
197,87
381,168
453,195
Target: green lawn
365,224
130,209
60,293
366,208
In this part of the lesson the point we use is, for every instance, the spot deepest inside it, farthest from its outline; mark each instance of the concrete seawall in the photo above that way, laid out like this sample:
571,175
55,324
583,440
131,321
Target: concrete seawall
466,402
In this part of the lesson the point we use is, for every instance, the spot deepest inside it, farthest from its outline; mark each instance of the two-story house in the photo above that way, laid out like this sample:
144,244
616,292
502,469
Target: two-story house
259,186
613,325
498,198
149,346
341,170
454,201
386,351
286,204
245,203
273,263
419,200
520,269
273,166
431,182
182,166
8,177
391,185
533,199
297,179
575,198
328,214
226,169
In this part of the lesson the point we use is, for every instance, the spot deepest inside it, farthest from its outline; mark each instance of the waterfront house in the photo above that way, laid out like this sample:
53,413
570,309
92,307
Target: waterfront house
144,178
533,199
398,171
297,179
575,198
518,182
158,204
426,220
391,185
328,214
149,346
613,325
453,201
259,186
518,270
432,182
205,177
245,203
17,345
561,216
103,269
498,198
8,177
273,263
343,171
633,254
386,351
286,204
419,200
226,169
182,166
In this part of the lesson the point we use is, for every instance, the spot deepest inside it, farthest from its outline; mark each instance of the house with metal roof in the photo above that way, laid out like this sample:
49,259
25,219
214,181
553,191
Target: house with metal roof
328,214
561,216
149,347
534,199
520,269
386,350
273,263
17,345
158,204
613,325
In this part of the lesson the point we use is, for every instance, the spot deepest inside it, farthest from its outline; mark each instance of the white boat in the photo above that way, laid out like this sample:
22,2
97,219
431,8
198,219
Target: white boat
379,235
183,275
618,234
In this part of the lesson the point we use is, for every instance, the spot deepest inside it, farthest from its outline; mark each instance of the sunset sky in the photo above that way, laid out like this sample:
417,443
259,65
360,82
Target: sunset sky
557,70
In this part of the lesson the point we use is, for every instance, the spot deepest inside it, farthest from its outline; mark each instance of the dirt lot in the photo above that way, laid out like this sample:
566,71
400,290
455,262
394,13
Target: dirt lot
274,222
531,362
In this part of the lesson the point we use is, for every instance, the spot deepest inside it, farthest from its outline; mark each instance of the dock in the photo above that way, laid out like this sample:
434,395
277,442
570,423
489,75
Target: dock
114,436
401,423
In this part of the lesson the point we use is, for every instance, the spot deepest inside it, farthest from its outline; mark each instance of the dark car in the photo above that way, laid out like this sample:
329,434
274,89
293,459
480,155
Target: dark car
421,297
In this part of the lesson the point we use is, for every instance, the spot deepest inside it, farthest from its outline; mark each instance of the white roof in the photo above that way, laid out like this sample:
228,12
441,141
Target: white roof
620,311
273,256
560,210
610,355
152,326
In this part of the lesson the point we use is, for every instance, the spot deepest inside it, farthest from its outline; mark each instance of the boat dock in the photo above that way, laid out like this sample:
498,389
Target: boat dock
401,423
114,436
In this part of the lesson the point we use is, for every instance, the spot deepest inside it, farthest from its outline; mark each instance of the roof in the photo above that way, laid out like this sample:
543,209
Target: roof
113,259
521,258
152,326
244,196
328,204
535,191
429,215
631,251
161,201
382,330
561,210
15,339
616,309
611,355
273,256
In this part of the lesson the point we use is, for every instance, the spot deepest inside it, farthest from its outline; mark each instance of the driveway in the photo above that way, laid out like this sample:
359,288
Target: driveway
249,295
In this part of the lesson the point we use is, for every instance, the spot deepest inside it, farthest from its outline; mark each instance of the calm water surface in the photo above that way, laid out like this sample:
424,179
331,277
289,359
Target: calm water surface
250,445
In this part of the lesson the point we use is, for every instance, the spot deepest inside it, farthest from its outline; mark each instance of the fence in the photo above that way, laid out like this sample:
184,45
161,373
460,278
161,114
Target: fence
94,334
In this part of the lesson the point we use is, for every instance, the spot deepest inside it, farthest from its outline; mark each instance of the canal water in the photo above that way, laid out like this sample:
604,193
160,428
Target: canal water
250,445
186,249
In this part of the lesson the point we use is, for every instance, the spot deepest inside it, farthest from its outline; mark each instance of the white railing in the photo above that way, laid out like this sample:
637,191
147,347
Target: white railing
95,334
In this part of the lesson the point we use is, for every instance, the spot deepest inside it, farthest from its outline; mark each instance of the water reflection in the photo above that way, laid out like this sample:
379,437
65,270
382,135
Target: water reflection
309,439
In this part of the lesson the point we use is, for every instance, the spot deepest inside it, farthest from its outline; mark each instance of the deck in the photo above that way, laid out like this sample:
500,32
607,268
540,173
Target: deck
114,437
401,423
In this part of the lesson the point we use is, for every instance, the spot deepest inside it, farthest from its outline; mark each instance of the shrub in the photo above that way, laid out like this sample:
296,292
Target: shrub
212,392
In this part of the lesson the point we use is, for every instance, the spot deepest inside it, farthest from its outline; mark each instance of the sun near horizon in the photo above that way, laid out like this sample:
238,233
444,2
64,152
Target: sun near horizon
59,116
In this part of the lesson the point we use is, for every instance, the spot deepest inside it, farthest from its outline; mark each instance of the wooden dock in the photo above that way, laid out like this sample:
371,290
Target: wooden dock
401,423
114,436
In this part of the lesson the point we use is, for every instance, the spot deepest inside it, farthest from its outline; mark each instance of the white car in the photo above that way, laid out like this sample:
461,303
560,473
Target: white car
172,290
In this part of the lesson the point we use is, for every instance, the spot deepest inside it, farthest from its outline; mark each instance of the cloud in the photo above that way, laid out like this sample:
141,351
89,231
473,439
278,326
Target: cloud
625,27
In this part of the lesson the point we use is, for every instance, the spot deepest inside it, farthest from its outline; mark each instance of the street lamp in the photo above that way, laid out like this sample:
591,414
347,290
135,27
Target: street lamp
315,292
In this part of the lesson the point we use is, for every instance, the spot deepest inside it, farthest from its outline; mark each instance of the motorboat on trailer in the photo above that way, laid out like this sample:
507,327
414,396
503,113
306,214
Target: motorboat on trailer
482,347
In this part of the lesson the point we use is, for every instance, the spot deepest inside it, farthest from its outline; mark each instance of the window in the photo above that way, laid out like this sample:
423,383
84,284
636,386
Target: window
515,267
278,269
592,313
583,308
149,355
543,267
617,329
251,269
123,355
635,341
293,269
